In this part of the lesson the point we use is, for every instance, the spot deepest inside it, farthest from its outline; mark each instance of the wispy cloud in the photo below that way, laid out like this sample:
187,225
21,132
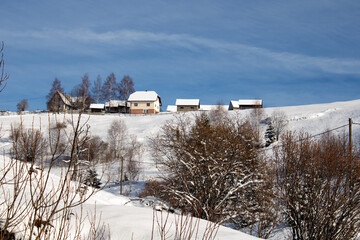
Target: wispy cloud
259,56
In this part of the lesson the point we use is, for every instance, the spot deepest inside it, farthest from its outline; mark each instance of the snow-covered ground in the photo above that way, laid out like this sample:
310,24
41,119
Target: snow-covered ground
128,220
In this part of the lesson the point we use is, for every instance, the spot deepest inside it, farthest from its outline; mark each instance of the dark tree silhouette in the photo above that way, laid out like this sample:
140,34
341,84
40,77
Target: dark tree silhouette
109,88
56,86
22,105
81,93
96,89
126,87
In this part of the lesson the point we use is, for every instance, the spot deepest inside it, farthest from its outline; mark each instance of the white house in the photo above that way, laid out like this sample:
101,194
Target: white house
144,102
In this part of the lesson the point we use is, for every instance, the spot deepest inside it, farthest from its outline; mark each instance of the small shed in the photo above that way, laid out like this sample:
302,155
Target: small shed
245,104
185,105
97,108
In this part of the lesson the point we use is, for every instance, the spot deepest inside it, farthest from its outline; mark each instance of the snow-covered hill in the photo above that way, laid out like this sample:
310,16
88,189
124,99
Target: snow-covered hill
127,220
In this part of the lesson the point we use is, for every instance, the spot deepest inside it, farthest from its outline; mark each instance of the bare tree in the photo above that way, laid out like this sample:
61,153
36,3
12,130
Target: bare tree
255,118
81,92
126,87
318,186
96,89
218,114
278,122
109,88
117,137
22,105
3,76
132,156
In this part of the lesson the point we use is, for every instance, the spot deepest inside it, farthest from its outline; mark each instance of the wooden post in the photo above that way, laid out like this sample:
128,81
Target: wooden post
350,137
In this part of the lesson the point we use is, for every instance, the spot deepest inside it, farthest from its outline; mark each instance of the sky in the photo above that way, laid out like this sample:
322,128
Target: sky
284,52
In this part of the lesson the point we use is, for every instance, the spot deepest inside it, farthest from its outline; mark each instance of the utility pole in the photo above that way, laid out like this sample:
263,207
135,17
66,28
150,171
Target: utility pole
350,137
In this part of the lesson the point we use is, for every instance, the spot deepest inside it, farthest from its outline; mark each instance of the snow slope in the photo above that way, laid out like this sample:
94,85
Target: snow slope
127,221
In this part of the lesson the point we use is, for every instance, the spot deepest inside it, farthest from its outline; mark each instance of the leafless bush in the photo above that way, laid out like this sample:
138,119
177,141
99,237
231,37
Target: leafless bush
33,205
28,145
153,188
319,187
211,170
95,150
218,114
278,122
255,118
186,227
98,230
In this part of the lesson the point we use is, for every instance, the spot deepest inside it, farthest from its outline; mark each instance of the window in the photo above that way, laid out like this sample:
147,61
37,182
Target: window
135,104
148,104
181,107
145,111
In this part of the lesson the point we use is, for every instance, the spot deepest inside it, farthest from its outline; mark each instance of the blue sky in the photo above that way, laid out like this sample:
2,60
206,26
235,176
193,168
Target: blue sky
284,52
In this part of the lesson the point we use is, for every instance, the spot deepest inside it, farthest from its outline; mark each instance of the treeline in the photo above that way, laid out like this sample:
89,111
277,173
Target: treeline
98,91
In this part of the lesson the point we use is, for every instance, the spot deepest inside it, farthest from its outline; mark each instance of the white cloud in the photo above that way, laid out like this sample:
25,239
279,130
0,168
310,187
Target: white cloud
245,53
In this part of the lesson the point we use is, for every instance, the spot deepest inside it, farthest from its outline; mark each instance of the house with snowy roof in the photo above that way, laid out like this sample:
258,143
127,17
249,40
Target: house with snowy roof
185,105
97,108
144,102
117,106
245,104
60,102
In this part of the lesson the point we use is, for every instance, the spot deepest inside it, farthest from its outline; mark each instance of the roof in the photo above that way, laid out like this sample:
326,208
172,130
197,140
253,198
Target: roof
212,107
116,103
249,102
66,99
97,106
143,96
187,102
171,108
235,104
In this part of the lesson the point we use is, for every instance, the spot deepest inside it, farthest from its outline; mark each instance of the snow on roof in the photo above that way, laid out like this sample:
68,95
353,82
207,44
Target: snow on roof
249,102
97,106
235,104
144,96
212,107
187,102
171,108
65,98
116,103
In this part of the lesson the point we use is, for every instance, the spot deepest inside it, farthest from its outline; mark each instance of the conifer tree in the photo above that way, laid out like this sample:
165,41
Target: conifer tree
270,135
56,86
92,178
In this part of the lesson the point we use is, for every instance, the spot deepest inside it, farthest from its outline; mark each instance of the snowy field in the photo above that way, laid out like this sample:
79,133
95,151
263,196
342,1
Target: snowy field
128,220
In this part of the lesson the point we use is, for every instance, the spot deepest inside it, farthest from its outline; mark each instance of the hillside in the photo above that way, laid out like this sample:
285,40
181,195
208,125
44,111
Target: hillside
126,219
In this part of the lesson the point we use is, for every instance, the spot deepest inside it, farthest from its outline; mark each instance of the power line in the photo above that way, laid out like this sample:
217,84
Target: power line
309,137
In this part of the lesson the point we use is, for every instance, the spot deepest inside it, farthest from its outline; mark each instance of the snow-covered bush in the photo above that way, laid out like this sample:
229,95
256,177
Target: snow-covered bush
212,169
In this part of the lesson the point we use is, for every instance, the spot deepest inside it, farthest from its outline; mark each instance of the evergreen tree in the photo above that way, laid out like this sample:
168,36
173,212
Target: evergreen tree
270,135
92,179
56,86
